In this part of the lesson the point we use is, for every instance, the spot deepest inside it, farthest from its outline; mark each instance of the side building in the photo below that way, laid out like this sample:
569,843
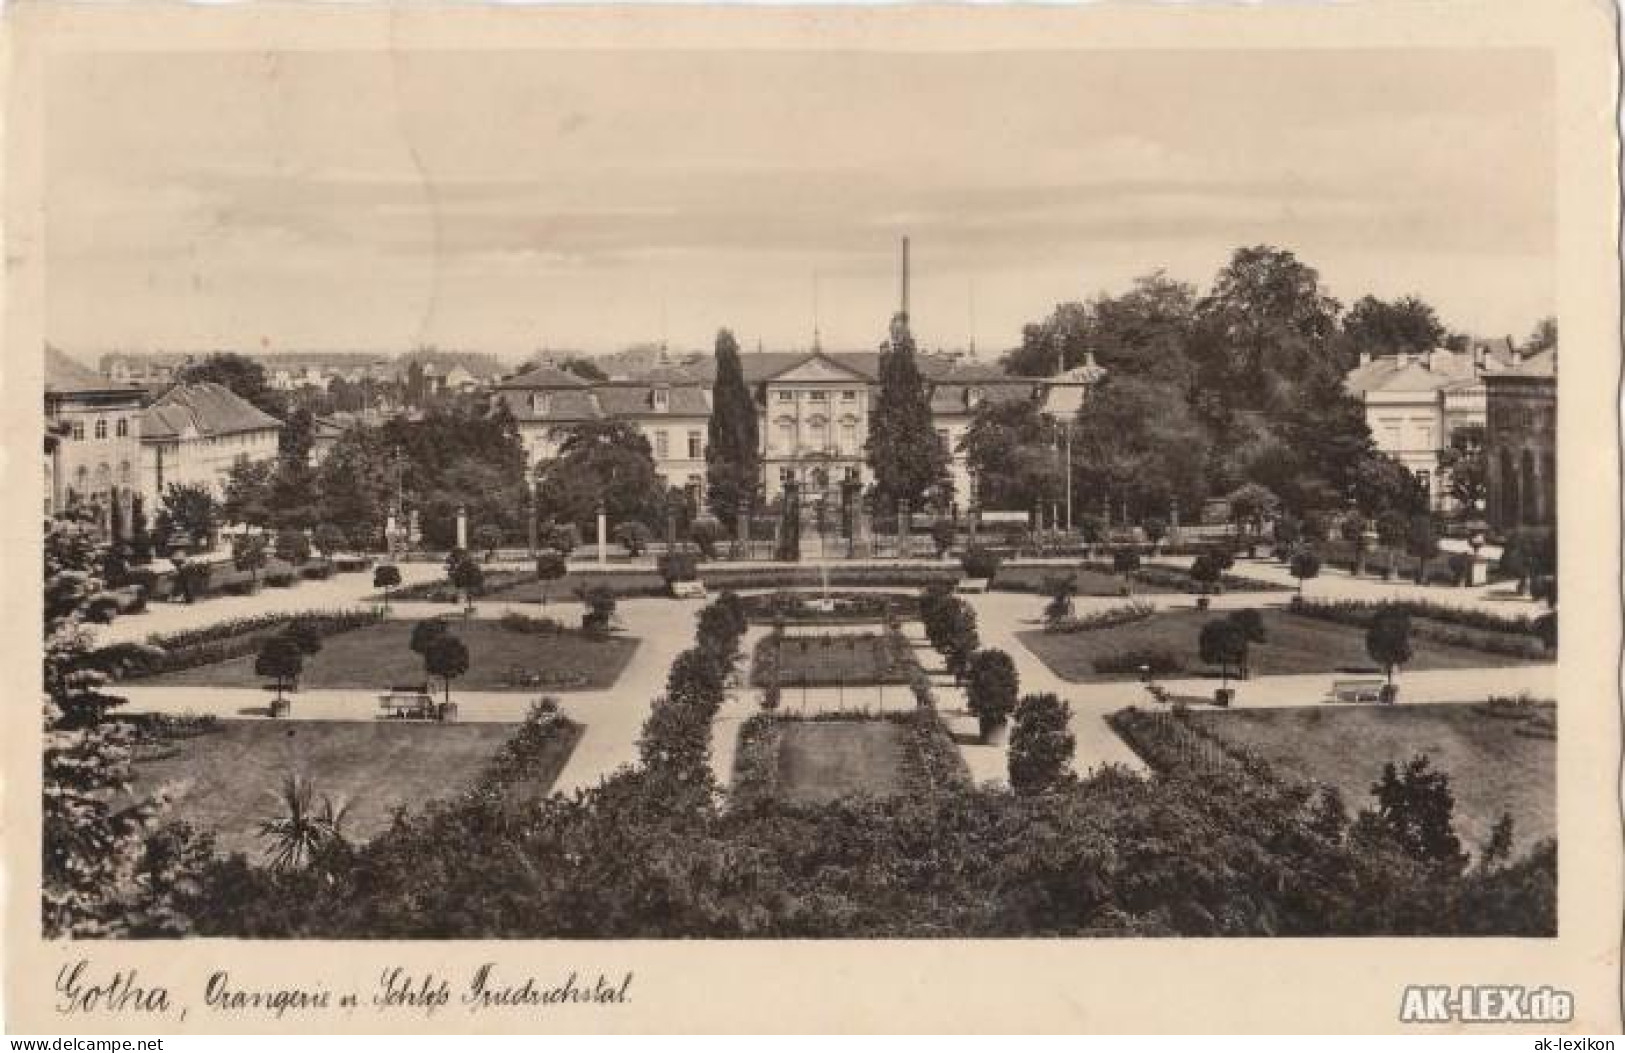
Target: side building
95,450
192,434
1520,445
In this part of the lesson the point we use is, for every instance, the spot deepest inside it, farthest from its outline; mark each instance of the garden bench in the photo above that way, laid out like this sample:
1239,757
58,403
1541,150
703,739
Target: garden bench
972,585
688,590
1361,690
406,705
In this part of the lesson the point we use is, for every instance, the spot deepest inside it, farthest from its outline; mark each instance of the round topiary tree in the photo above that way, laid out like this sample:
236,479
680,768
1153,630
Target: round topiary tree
465,574
1305,565
386,576
281,659
980,562
1388,642
1223,643
446,657
992,686
550,567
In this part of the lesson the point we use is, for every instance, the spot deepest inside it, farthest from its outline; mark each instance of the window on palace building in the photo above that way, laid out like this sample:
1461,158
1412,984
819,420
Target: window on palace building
79,430
786,396
662,444
849,396
787,435
942,436
123,428
819,396
101,429
540,402
818,432
695,451
1425,480
849,436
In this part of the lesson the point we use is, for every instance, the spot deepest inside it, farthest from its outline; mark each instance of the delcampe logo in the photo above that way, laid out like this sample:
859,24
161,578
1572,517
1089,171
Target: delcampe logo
1485,1004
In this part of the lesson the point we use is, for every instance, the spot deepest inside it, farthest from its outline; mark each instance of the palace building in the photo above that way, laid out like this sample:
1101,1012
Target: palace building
813,411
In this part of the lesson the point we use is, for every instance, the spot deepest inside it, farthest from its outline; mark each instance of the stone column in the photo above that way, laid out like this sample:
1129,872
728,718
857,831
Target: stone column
603,536
462,527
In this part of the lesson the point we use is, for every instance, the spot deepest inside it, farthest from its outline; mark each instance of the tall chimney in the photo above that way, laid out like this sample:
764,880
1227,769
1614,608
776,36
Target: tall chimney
905,276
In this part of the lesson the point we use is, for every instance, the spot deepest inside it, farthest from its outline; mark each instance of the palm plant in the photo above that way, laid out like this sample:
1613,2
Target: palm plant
305,826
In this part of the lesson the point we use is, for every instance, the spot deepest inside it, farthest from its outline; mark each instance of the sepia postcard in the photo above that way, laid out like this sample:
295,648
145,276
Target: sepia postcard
832,519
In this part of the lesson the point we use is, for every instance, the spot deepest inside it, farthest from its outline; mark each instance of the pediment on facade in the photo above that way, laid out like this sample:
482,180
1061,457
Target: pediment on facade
816,368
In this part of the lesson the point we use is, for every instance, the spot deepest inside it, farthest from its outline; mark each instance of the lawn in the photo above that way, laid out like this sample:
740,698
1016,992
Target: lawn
228,776
1294,645
1495,763
823,661
1091,582
377,657
822,760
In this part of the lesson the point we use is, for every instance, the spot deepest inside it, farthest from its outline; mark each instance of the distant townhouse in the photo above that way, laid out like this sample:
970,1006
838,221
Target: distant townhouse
192,434
1415,403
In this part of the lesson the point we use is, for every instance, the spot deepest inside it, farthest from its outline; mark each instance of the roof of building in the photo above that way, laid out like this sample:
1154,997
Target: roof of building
1541,365
65,375
1435,371
630,400
562,406
544,376
204,409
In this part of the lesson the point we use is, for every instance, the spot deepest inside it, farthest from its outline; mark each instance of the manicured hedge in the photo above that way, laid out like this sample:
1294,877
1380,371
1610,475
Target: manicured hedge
238,638
1442,624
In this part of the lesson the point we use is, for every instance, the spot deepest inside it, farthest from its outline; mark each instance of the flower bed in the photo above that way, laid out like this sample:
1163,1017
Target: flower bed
825,661
794,608
1134,612
237,638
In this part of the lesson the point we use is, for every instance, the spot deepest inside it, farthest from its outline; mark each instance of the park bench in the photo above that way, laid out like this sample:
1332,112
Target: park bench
1364,689
688,590
407,703
972,585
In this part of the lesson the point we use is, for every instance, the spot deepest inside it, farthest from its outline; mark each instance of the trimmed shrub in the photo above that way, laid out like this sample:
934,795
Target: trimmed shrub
675,567
516,622
991,687
981,562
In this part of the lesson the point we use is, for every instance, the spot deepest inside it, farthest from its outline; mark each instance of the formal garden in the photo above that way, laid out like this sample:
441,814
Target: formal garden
1501,755
1132,641
364,651
818,759
240,779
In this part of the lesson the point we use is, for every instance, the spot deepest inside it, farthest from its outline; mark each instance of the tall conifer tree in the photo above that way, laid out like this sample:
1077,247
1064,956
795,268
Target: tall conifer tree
732,457
906,455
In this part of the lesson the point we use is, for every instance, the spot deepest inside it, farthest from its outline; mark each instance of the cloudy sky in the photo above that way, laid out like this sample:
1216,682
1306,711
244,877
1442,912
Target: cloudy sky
514,201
